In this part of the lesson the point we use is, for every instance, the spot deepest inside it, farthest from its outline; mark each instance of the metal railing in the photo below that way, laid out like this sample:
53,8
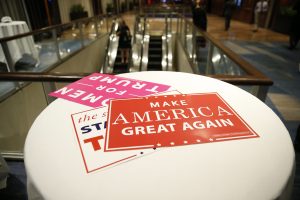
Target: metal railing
210,57
54,45
83,31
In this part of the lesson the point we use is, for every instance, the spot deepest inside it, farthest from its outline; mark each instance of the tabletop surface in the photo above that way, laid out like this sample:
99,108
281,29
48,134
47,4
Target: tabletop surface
256,168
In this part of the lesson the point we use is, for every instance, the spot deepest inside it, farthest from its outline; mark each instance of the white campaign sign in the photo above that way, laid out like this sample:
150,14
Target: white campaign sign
90,127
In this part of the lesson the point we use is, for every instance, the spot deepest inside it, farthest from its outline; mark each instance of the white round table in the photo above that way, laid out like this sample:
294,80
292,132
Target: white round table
20,46
258,168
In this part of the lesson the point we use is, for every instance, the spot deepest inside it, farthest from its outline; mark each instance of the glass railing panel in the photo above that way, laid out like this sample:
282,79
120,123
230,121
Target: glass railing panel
260,91
3,62
88,32
222,64
208,56
138,44
6,89
101,25
141,25
155,26
189,44
201,51
47,46
109,22
70,40
20,111
181,31
204,57
247,88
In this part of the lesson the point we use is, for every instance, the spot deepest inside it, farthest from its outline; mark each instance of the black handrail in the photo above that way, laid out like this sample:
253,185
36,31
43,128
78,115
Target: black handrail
70,77
41,77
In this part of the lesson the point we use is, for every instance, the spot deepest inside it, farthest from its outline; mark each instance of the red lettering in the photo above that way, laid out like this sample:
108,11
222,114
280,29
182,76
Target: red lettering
95,142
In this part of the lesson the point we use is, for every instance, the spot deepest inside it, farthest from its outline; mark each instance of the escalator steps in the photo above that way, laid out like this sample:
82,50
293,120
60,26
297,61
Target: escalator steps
120,68
155,53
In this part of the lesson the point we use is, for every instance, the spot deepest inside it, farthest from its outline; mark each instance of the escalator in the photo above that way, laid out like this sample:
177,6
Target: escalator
148,53
201,53
113,62
120,67
155,54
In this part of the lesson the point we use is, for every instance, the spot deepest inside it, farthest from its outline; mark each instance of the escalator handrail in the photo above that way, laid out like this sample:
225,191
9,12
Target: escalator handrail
166,41
111,33
143,38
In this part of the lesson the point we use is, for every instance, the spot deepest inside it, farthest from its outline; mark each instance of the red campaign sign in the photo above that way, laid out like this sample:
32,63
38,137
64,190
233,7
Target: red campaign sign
172,120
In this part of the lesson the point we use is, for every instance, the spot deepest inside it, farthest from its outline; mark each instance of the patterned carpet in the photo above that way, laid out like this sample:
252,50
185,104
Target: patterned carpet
16,182
281,65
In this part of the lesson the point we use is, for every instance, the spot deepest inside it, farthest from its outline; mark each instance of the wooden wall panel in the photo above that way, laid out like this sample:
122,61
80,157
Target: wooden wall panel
217,7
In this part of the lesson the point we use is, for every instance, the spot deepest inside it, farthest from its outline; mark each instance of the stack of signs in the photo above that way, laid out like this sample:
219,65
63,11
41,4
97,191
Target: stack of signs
90,128
143,116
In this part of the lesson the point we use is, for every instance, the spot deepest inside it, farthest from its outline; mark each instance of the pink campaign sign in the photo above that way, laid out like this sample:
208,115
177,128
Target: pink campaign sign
96,89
